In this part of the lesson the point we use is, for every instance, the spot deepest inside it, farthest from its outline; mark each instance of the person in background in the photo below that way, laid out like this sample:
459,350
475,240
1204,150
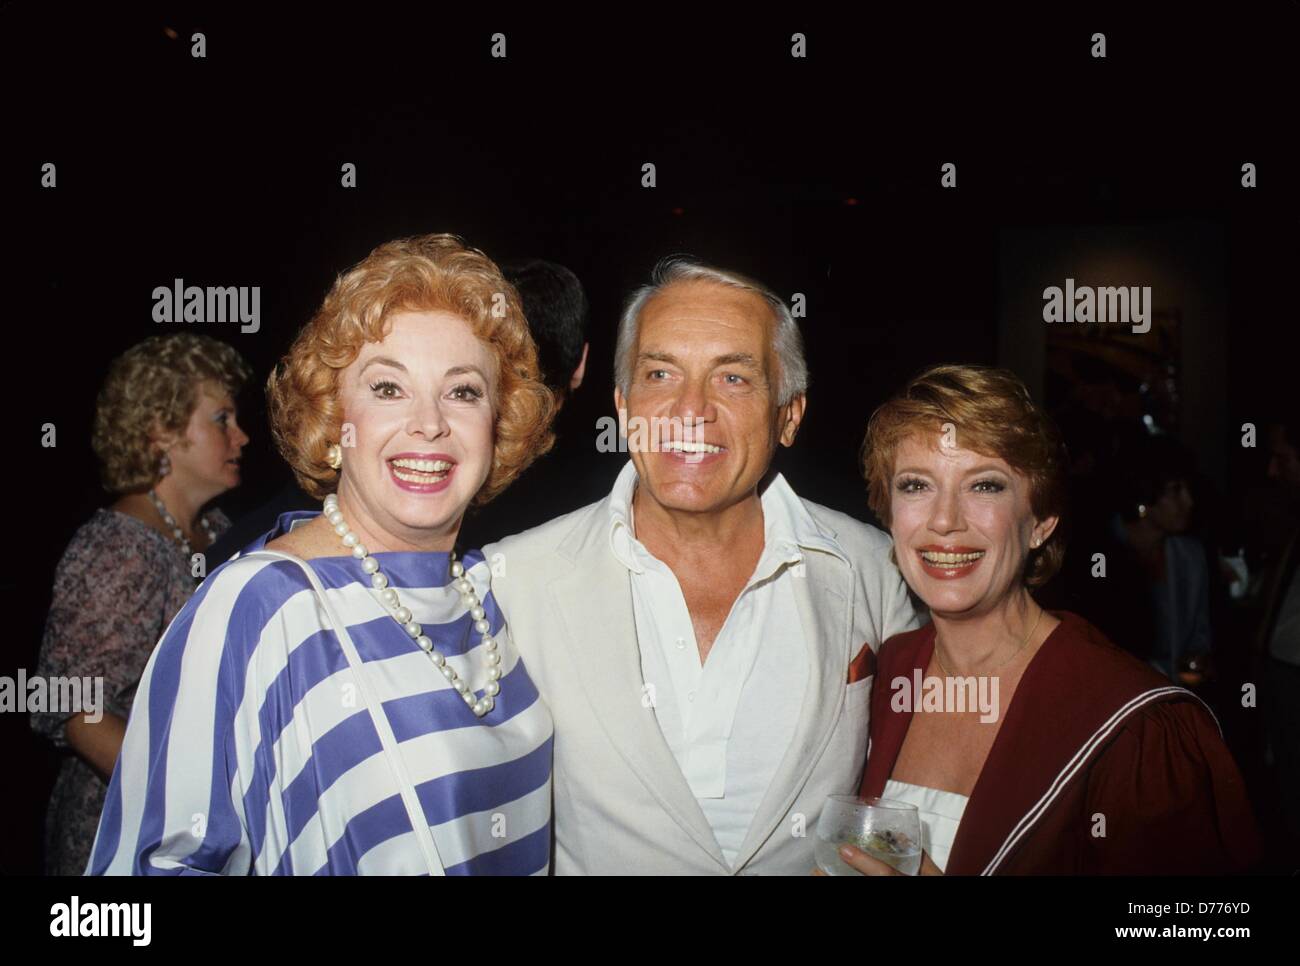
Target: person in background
557,310
168,442
571,473
1154,597
1279,637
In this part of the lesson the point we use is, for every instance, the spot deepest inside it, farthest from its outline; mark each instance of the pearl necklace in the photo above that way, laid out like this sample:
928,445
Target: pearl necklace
403,616
177,532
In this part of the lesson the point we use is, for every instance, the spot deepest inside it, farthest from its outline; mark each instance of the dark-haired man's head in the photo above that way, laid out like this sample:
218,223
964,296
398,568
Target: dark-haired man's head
556,308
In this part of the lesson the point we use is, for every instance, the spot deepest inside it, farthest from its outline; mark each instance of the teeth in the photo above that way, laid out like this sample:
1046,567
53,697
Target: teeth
420,471
678,446
419,477
423,466
931,556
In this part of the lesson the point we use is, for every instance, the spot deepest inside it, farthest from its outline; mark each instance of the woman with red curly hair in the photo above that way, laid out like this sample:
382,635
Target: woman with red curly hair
1029,743
344,696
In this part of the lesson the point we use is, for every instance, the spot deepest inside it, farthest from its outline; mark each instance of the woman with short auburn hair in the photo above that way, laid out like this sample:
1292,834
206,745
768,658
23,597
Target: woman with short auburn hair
168,443
1066,755
344,697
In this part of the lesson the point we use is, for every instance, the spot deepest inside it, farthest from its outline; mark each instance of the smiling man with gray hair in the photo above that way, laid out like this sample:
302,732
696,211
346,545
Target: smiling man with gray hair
703,636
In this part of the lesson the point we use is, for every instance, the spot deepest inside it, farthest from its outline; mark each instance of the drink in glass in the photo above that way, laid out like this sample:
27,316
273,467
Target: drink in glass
886,830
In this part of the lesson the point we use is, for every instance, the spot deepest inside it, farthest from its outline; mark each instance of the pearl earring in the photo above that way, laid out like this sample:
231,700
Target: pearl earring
334,456
164,465
1142,511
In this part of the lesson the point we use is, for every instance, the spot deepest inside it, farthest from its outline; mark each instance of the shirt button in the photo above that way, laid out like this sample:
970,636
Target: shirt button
690,695
681,643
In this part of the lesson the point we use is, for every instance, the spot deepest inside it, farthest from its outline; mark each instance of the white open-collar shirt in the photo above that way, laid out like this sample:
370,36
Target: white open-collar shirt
729,720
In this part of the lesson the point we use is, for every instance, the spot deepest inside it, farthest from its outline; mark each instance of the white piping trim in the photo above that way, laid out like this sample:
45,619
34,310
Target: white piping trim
1074,764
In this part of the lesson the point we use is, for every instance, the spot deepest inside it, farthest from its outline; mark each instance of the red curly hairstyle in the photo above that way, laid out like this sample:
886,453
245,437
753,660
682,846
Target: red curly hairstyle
424,273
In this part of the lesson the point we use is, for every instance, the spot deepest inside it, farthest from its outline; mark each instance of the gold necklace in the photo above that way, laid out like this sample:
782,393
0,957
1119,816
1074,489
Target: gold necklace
1014,655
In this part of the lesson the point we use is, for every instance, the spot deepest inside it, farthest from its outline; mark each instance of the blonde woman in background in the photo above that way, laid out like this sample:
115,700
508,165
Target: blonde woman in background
168,442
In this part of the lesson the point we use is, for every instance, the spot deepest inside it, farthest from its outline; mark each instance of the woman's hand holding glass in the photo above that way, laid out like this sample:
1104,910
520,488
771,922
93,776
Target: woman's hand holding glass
870,836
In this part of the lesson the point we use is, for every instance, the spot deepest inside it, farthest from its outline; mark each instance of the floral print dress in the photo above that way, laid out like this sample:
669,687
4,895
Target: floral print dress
117,587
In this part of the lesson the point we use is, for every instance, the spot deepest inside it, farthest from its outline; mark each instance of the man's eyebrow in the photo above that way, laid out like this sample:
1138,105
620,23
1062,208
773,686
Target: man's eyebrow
730,359
383,361
657,357
737,358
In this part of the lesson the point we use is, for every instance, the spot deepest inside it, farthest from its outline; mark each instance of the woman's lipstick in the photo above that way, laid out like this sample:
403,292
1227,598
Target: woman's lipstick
949,563
421,472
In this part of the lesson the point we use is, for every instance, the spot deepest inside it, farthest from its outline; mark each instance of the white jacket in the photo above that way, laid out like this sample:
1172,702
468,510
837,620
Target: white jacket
621,803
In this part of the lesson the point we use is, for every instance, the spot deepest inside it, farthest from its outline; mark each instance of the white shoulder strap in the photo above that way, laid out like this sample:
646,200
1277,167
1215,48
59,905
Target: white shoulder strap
380,720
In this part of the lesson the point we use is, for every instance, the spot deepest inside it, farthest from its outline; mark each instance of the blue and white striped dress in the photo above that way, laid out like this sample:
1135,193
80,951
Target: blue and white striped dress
250,749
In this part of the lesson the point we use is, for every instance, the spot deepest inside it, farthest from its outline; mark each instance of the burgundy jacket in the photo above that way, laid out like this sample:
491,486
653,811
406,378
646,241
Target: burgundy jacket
1090,732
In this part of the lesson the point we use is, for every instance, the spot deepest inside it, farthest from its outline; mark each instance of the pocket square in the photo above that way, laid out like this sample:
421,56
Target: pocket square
862,666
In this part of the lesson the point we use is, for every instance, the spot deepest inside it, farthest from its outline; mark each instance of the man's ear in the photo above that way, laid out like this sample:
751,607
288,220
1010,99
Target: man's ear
620,405
791,415
576,379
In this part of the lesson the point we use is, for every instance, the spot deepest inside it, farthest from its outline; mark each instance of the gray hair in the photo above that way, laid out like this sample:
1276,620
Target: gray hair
787,343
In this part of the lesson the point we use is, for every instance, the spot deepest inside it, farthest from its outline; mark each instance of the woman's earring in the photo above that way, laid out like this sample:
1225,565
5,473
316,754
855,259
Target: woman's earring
1036,543
164,465
1142,511
334,456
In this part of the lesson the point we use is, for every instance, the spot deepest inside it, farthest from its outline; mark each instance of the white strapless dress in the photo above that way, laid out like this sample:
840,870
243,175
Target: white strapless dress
941,814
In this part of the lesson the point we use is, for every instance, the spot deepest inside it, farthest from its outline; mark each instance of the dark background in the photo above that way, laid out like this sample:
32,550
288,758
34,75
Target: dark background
818,176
